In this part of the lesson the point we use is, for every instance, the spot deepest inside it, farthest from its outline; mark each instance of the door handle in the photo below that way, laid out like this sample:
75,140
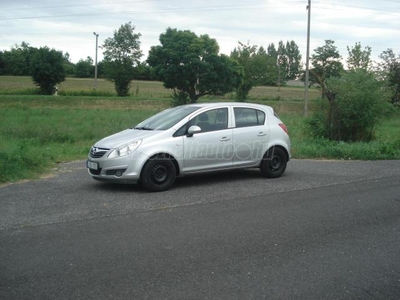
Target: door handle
224,139
261,133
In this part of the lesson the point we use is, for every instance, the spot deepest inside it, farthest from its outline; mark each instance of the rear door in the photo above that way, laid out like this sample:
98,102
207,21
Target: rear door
250,136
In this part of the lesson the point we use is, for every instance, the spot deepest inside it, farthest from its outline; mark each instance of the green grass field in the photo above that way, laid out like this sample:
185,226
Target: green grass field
36,132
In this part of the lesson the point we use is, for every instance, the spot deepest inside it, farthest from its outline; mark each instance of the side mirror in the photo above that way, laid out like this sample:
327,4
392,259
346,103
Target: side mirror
193,130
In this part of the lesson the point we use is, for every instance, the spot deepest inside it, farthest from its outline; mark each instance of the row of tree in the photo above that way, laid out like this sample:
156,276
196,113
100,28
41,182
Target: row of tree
17,62
185,62
44,65
192,66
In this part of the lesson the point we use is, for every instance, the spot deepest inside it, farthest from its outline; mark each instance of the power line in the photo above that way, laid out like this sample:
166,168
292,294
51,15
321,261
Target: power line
167,10
185,9
339,6
77,5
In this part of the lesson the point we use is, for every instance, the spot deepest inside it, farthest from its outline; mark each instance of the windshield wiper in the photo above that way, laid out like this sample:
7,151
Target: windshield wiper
143,128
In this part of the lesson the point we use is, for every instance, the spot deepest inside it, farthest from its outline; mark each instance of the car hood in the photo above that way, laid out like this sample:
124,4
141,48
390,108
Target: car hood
125,136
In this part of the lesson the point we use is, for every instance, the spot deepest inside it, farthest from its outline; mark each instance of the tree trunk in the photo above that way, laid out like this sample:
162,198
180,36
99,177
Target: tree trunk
192,94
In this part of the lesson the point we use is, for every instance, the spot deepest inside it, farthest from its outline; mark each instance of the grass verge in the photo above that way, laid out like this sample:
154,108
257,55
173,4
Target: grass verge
34,135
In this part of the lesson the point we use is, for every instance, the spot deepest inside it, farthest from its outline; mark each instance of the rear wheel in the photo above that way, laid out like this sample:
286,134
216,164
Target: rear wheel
158,174
274,163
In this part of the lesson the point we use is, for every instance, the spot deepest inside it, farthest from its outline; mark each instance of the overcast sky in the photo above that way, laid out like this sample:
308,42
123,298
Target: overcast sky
68,26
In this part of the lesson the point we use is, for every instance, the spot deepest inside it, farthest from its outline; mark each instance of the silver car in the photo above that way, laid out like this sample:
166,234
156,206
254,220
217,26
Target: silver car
191,139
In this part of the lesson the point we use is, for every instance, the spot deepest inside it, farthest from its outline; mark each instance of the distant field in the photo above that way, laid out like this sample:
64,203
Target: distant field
148,89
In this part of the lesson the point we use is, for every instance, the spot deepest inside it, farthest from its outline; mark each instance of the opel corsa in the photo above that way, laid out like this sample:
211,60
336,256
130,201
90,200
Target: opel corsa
192,139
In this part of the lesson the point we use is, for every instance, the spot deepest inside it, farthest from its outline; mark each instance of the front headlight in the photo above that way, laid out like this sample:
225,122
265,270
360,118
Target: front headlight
125,149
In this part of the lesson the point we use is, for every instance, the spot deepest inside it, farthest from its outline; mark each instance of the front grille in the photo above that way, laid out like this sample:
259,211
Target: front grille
96,152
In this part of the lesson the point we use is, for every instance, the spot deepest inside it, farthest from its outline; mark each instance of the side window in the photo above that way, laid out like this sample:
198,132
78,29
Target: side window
221,119
246,117
212,120
181,131
216,119
203,120
260,117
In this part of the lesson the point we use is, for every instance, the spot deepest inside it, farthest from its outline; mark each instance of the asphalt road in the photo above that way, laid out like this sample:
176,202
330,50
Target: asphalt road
325,230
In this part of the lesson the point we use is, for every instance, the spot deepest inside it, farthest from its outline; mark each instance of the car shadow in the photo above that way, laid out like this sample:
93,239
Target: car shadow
119,188
188,181
220,177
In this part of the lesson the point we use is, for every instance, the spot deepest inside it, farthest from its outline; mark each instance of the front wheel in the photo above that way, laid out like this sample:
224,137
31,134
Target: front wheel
158,174
274,163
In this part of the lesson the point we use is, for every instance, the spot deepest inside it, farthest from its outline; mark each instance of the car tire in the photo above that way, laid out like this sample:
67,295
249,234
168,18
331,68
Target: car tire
274,163
158,174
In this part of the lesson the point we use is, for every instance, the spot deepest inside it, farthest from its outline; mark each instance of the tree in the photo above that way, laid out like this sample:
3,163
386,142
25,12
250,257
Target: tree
191,65
16,61
356,105
122,53
271,50
259,68
389,70
264,69
2,63
325,64
282,63
100,69
294,60
145,72
245,56
47,69
84,68
69,67
358,58
288,58
282,58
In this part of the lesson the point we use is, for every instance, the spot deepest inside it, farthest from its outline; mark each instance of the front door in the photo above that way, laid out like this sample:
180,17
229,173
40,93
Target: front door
212,148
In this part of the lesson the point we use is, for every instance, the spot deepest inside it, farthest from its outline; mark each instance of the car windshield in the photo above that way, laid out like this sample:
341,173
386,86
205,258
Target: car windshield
167,118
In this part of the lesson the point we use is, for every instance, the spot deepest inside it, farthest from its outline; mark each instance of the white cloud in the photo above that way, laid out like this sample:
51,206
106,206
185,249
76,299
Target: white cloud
69,26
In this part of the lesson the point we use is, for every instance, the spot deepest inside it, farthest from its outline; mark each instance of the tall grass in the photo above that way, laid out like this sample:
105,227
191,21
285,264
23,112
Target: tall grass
32,139
386,145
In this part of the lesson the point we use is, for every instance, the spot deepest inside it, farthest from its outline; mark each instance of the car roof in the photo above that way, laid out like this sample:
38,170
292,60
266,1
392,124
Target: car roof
237,104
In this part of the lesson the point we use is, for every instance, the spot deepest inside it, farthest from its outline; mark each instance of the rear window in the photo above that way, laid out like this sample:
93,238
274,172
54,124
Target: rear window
246,117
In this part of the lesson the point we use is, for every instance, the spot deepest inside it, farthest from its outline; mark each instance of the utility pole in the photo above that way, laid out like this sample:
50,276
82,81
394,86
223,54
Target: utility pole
95,61
307,60
278,63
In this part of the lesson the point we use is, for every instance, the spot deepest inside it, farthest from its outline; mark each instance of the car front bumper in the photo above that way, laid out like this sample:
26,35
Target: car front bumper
123,169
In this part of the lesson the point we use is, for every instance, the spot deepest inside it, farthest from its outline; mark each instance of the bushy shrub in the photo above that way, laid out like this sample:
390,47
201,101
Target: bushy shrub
355,106
179,98
47,69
